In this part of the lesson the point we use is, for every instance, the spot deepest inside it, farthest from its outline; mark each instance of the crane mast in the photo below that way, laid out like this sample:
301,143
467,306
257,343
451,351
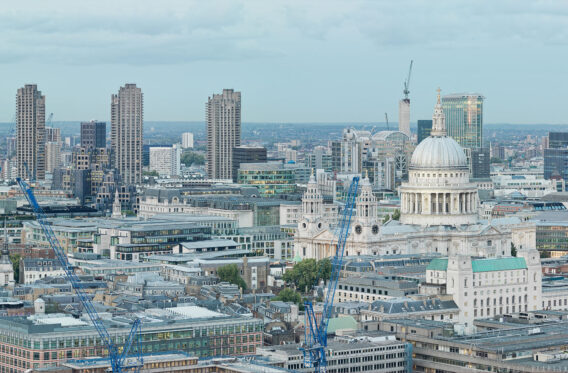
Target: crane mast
119,360
315,342
406,90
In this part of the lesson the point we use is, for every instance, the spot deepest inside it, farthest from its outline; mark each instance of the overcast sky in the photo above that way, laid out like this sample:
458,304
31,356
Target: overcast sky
293,61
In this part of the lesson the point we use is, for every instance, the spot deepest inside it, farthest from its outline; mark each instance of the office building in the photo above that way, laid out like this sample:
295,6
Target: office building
247,154
464,118
383,354
187,140
127,124
165,160
55,338
223,132
424,129
30,127
480,162
557,140
556,156
404,116
93,134
271,179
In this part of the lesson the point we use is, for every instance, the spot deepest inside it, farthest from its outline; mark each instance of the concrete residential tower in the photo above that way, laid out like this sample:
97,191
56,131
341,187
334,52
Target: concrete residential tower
30,126
127,124
223,132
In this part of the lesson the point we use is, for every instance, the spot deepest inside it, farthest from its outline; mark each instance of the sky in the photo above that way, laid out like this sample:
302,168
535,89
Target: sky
293,60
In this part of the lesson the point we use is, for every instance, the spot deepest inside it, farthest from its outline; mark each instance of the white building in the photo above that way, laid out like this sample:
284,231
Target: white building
532,186
32,269
439,211
187,140
166,160
487,287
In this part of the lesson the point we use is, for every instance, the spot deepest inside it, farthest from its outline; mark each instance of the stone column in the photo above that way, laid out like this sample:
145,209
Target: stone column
437,203
444,210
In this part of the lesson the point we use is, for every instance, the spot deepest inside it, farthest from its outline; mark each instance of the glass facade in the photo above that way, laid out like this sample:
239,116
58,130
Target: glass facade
21,348
424,129
556,163
552,238
270,181
464,119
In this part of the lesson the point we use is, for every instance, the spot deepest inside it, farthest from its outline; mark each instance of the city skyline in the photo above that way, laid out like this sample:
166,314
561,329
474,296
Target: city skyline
191,50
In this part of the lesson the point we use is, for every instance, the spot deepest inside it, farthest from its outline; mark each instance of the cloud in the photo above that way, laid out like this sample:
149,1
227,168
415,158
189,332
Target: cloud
175,32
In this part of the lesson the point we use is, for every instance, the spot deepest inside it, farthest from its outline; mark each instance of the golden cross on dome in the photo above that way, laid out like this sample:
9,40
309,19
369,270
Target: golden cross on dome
438,90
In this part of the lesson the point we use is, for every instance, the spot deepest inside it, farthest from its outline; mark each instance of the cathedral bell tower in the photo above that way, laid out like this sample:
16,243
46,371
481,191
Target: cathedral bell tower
366,220
312,208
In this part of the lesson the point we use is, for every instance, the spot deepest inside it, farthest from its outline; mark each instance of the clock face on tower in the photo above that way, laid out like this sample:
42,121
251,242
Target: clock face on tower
358,229
375,229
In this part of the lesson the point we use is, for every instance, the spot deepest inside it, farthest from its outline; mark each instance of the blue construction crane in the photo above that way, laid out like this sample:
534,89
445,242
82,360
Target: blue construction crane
316,332
119,360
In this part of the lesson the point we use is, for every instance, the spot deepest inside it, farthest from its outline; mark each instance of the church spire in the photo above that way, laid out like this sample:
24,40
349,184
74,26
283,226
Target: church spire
438,119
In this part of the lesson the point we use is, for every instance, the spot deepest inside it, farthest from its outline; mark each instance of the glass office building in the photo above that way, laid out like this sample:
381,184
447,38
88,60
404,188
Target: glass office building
464,118
424,129
271,179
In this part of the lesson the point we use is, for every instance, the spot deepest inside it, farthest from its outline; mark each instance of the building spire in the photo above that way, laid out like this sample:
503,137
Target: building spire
438,119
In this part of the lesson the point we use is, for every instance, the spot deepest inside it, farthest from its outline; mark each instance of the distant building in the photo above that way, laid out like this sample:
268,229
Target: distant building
424,129
271,178
52,156
187,140
247,154
479,162
30,128
223,120
93,134
53,134
165,160
464,118
127,123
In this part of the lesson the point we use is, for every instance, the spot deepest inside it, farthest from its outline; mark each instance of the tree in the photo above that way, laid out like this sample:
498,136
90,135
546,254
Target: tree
15,259
230,273
151,173
188,158
308,273
394,216
513,249
290,295
496,160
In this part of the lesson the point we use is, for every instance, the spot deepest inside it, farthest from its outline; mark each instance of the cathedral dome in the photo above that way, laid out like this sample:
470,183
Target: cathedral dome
438,152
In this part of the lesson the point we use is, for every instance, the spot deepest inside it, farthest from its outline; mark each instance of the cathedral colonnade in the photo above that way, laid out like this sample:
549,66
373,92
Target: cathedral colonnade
439,202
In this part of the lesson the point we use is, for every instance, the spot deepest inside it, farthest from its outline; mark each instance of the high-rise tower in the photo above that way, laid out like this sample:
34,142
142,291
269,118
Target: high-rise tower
30,126
464,118
127,125
93,134
404,116
223,132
